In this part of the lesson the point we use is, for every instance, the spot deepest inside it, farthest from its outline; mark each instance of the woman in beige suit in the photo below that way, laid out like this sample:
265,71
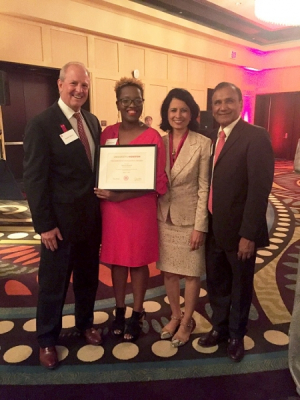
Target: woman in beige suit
182,211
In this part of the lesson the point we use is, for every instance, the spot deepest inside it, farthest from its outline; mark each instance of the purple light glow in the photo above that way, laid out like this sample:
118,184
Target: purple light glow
247,109
258,52
246,116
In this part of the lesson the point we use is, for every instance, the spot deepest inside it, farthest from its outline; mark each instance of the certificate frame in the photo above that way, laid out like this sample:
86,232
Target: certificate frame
127,167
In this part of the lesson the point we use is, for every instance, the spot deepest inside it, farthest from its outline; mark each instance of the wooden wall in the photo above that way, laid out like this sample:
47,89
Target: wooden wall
114,37
30,39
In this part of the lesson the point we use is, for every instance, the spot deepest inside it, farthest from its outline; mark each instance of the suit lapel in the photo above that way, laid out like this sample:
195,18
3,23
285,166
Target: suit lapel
64,122
166,140
186,153
61,118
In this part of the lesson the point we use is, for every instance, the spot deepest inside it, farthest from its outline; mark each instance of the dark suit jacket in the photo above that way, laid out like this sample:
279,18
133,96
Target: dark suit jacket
58,179
242,181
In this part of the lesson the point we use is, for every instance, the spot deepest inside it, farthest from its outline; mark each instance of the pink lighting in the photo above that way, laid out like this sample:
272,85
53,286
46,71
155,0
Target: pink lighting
258,52
246,116
247,108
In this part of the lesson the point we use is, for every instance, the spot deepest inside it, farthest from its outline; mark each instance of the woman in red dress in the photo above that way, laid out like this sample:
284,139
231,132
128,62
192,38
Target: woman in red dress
129,224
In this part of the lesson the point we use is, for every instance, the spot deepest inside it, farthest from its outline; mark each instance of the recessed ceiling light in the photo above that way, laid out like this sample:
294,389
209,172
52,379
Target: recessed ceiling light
252,69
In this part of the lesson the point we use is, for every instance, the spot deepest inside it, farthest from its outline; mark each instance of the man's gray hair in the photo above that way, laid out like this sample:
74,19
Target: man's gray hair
62,72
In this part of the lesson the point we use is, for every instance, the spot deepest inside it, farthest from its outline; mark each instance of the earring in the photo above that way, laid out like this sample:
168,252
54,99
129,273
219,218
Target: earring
118,117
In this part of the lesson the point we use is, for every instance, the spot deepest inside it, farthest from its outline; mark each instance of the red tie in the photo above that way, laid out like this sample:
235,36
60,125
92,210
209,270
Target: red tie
83,137
219,147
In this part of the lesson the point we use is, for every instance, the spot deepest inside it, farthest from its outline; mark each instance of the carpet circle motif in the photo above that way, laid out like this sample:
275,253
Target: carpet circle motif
266,342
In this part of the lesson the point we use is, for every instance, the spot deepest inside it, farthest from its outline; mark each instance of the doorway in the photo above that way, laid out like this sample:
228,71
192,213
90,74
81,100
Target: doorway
278,114
32,89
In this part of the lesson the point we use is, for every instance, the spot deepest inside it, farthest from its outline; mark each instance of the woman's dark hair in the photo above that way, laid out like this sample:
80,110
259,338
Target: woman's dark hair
183,95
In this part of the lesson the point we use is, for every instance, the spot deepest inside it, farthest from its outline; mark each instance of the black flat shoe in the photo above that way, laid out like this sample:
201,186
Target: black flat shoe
134,326
118,324
236,350
212,338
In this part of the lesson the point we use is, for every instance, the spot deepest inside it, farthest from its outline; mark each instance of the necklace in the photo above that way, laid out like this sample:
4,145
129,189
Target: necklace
173,152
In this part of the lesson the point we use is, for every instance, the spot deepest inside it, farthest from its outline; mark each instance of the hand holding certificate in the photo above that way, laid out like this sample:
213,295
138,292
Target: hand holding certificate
127,167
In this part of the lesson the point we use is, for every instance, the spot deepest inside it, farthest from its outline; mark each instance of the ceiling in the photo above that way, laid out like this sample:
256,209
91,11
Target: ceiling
233,17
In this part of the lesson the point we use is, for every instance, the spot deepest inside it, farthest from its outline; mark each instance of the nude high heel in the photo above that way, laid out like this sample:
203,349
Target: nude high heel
177,342
165,334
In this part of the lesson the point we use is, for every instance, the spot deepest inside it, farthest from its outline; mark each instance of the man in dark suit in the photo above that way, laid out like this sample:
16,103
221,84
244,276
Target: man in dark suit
59,177
242,175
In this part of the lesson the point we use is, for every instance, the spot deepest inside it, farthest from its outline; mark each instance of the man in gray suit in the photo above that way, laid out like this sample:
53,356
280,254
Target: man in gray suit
59,176
242,167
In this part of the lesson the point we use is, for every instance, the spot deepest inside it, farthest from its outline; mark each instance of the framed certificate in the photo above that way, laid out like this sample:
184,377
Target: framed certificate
127,167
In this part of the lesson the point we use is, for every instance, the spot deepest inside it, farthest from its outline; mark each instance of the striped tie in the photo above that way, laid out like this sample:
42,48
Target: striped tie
83,137
219,147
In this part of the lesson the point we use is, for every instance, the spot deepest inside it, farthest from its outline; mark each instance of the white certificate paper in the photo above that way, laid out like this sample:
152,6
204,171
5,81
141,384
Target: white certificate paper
127,167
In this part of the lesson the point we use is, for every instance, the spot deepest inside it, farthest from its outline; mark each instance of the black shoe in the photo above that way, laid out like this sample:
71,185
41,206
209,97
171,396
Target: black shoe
236,350
212,338
134,326
118,325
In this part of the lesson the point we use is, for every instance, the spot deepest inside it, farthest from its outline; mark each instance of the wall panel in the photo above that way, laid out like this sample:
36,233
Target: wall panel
21,42
196,72
133,58
178,68
154,96
105,100
156,66
215,73
107,56
278,80
66,46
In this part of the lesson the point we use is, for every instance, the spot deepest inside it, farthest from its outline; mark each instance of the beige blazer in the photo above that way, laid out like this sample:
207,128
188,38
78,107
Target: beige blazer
186,199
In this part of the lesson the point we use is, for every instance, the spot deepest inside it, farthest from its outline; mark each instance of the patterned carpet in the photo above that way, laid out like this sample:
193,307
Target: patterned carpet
150,359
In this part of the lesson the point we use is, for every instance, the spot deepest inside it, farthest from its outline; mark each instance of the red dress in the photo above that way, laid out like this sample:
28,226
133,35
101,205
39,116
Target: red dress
129,227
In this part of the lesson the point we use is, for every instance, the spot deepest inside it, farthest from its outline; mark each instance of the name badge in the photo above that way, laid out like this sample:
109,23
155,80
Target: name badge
111,142
69,136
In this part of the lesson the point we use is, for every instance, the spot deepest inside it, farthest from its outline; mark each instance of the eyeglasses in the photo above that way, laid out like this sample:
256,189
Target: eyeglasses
126,102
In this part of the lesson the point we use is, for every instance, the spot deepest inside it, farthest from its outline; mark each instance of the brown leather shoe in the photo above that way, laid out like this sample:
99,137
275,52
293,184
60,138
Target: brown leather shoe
92,336
211,339
235,349
48,357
